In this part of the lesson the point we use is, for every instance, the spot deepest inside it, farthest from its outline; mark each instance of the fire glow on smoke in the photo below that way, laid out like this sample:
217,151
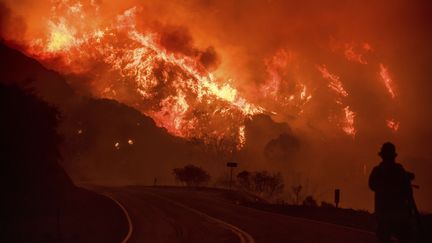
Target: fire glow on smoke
128,62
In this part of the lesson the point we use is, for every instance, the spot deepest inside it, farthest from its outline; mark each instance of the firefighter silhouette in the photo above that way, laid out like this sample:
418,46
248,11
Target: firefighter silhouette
394,203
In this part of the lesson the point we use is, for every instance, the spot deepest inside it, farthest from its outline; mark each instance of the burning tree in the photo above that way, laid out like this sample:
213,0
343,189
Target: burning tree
191,175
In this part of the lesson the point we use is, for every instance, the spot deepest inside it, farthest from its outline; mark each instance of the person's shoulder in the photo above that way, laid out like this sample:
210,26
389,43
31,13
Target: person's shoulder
384,167
380,166
406,173
376,168
399,166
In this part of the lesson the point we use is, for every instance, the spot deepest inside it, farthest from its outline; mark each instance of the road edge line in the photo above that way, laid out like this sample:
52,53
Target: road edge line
243,235
125,212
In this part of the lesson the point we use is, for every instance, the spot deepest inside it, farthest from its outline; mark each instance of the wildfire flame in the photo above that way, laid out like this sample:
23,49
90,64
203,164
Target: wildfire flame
348,126
354,53
283,85
175,90
127,61
385,76
335,83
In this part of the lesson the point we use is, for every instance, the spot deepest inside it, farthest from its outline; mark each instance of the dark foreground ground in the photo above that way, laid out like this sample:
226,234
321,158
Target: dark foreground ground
78,215
348,217
178,214
168,214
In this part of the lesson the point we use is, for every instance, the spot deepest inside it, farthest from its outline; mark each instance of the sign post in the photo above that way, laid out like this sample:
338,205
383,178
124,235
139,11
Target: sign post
337,197
231,165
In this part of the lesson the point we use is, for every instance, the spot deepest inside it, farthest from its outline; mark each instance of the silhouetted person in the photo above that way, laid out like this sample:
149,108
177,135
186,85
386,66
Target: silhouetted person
393,196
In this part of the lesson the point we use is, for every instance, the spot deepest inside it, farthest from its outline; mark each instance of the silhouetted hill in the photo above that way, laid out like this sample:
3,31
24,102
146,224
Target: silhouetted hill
39,202
111,143
30,146
19,69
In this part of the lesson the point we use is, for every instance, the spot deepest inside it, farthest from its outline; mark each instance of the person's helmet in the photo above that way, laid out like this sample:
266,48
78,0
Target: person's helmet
388,150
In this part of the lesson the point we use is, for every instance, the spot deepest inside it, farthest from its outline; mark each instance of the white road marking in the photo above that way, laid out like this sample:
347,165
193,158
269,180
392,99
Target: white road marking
242,235
126,239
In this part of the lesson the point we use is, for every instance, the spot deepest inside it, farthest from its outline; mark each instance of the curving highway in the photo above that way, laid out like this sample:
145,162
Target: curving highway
186,215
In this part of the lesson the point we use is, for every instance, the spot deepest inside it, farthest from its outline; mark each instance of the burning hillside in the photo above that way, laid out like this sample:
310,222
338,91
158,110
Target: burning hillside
132,65
156,69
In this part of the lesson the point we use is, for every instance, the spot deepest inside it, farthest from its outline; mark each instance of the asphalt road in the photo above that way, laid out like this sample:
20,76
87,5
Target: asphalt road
184,215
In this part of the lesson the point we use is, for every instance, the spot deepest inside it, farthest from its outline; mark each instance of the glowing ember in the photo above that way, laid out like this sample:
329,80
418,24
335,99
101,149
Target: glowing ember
385,76
393,124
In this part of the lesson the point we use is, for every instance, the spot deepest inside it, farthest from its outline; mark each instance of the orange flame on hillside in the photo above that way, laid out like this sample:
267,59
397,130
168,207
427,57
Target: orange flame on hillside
283,85
348,125
129,61
355,53
175,90
388,82
335,83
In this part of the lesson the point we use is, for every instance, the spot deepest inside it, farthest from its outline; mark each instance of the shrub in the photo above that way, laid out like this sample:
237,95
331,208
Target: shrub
261,182
191,175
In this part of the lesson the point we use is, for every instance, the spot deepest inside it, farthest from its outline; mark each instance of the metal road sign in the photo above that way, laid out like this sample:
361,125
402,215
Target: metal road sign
231,164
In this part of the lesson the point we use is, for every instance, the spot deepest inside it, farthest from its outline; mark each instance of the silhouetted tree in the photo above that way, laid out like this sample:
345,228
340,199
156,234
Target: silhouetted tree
219,149
191,175
261,182
275,184
296,190
310,202
244,180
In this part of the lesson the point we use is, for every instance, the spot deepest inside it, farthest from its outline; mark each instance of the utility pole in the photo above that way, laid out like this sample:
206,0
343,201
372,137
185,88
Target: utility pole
231,165
58,220
337,197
